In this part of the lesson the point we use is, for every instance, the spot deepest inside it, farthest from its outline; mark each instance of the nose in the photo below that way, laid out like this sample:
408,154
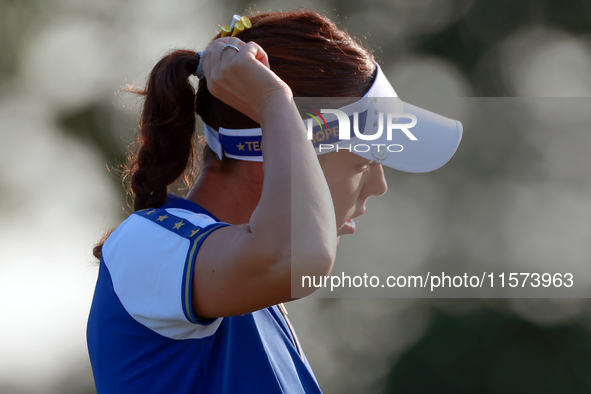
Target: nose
376,184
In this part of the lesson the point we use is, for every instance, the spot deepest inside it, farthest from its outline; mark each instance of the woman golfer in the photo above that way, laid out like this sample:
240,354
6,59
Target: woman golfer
190,290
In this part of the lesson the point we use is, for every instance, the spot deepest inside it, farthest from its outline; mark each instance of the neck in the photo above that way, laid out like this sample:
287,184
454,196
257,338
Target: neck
231,197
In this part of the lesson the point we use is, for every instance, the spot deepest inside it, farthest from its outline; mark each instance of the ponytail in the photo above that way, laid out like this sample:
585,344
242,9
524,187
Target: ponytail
166,129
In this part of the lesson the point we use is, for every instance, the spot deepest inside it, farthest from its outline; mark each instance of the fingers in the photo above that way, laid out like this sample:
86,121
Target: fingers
240,78
212,57
215,56
228,53
257,51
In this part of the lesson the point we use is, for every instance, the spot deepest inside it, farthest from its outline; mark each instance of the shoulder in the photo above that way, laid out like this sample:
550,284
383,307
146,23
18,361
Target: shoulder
168,223
154,240
150,258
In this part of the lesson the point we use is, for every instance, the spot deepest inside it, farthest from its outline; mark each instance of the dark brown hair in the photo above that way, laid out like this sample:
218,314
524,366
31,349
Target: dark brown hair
305,49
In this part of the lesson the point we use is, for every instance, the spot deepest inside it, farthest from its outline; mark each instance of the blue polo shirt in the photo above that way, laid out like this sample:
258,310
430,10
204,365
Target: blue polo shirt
143,336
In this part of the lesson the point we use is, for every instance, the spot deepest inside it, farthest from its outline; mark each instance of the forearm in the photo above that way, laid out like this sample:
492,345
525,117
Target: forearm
295,214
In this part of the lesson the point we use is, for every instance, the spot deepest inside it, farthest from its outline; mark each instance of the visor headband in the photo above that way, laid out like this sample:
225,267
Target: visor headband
245,144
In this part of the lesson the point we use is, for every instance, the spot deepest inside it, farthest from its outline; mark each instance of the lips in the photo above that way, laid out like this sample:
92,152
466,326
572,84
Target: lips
349,227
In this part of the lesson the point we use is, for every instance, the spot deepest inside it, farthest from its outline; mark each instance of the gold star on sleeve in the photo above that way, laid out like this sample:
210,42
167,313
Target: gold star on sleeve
375,112
161,218
240,146
178,225
375,124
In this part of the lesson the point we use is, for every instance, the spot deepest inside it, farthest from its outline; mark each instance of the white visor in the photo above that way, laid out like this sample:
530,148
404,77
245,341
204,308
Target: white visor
379,127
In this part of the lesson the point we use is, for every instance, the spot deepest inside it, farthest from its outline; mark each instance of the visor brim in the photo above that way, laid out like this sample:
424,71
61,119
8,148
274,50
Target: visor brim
437,139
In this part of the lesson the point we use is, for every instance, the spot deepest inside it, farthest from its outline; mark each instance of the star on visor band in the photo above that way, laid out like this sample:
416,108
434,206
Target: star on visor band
379,127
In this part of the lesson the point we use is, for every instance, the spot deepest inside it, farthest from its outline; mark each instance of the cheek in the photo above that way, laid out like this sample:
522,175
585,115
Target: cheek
345,196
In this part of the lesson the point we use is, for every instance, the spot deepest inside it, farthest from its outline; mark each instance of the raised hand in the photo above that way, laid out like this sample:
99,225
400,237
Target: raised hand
242,79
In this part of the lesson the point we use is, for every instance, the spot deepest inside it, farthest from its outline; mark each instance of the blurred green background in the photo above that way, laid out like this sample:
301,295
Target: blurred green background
511,196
